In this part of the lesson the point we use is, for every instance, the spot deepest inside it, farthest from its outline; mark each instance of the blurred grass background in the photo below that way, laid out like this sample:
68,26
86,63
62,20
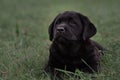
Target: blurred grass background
24,39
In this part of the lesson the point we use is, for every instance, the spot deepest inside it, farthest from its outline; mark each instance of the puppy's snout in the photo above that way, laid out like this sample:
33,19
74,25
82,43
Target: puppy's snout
60,29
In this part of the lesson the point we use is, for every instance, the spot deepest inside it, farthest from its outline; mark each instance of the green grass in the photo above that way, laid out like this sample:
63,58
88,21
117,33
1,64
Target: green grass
24,42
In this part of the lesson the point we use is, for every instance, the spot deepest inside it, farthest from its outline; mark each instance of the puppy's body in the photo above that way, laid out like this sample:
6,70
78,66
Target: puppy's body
74,55
71,47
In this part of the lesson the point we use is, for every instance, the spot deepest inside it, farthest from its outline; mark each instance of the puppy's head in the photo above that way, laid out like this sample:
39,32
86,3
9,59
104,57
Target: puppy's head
71,26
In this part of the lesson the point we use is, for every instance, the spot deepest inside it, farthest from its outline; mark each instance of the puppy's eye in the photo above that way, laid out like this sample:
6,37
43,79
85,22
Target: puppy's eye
72,22
58,22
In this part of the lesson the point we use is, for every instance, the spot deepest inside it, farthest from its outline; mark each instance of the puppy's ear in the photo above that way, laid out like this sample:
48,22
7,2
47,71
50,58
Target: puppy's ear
50,29
89,29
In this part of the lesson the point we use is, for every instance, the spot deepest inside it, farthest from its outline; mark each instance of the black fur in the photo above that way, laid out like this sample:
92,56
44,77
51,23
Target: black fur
71,47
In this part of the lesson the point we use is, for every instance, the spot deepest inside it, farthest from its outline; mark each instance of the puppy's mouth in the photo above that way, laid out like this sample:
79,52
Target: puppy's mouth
64,37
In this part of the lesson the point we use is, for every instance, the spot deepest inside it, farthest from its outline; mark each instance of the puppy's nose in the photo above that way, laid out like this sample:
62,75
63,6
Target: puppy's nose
60,29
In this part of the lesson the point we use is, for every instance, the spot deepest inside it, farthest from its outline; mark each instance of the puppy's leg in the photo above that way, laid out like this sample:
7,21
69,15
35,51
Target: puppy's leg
54,74
49,71
90,69
99,47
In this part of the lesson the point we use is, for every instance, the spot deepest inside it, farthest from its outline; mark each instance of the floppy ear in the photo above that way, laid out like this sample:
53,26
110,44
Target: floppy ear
50,31
51,26
89,29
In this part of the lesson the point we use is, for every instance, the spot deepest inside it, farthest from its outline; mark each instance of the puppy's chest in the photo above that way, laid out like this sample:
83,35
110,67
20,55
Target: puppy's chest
71,50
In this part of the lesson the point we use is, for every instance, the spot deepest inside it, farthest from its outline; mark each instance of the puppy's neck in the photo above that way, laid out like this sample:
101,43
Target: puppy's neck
68,48
69,44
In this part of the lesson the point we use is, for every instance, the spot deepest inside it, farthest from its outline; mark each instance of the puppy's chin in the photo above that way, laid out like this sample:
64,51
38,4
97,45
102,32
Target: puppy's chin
60,39
65,40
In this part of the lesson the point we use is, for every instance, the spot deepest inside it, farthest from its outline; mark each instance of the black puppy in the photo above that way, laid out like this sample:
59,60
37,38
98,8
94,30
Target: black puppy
71,48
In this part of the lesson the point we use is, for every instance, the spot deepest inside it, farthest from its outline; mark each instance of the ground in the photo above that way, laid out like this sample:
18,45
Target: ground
24,41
